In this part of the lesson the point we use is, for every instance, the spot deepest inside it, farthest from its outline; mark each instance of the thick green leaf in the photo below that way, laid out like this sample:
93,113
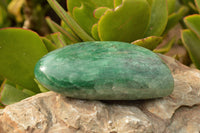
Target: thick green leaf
92,4
95,32
127,23
28,92
149,42
49,45
56,28
192,44
20,49
117,3
159,18
42,88
57,39
10,94
197,2
69,21
100,11
82,11
171,4
174,18
193,22
31,93
166,47
67,28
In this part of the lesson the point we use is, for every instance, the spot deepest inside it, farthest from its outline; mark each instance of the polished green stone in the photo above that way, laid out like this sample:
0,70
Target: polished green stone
105,71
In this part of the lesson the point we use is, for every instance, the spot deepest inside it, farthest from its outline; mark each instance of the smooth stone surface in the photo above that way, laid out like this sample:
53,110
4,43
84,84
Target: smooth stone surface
105,71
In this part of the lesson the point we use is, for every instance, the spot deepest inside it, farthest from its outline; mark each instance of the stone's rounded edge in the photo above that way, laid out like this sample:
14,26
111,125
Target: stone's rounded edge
170,71
41,77
48,83
171,82
171,78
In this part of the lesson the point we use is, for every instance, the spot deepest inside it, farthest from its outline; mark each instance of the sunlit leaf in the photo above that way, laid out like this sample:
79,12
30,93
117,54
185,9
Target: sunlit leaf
99,12
193,22
42,88
94,32
58,40
192,44
49,45
67,28
83,11
28,92
171,6
20,49
10,94
149,42
127,23
56,28
158,19
117,3
69,21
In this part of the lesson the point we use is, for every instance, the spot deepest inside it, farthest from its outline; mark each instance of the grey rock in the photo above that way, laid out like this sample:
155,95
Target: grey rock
186,91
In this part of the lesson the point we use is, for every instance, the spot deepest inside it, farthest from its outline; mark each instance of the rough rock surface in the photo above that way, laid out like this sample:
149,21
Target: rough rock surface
53,113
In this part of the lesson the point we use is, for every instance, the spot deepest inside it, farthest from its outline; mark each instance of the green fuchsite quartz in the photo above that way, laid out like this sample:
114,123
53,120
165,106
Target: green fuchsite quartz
105,71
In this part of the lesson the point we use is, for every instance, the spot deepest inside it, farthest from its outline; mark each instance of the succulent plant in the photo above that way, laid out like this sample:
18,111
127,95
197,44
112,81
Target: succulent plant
191,36
20,49
141,22
191,4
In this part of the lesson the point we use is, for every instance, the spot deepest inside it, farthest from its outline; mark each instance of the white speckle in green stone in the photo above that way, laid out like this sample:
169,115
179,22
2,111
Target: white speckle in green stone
105,71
